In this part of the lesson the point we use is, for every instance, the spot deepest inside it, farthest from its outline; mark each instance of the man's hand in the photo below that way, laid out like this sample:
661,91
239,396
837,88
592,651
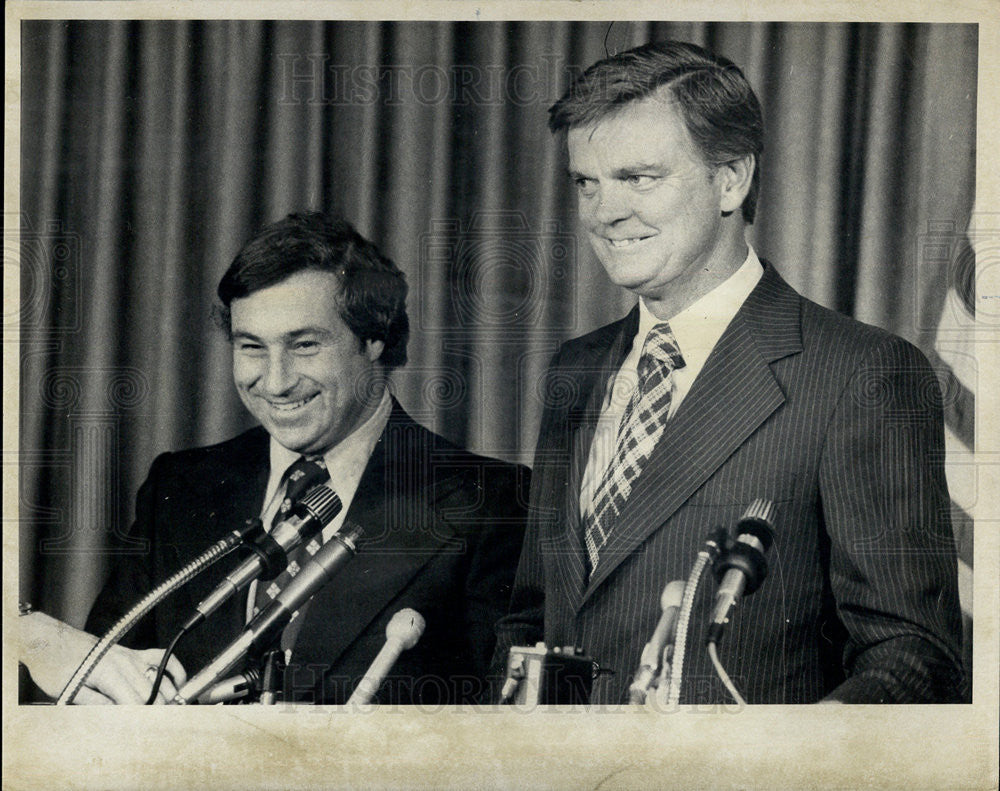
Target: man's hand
52,651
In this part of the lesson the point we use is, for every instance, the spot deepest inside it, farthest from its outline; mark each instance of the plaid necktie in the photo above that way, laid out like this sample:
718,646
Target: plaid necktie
640,428
302,476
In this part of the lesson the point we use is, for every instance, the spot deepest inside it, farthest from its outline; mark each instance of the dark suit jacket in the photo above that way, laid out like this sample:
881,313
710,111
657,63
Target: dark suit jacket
443,528
840,425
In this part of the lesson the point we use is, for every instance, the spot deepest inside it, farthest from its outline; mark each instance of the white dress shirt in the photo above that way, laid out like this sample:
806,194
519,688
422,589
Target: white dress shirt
697,330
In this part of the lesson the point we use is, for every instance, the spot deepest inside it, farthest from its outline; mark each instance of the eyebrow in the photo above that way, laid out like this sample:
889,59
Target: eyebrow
288,336
625,170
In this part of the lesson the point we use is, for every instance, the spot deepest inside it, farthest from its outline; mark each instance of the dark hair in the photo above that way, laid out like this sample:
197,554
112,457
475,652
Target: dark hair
372,296
715,101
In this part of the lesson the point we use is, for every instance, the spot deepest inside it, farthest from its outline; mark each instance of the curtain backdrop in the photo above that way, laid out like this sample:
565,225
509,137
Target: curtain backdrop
152,150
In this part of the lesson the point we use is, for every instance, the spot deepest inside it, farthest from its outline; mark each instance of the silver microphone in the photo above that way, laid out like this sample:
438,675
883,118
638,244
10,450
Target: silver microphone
663,636
401,634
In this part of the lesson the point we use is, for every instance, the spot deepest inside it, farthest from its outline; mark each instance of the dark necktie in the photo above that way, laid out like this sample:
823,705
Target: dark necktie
299,478
641,426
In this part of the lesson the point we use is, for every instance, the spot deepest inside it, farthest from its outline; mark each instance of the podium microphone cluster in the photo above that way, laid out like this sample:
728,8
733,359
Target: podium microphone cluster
270,621
306,519
743,566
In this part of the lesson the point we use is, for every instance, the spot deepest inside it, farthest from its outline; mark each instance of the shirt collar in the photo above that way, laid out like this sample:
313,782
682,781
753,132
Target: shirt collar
699,326
354,449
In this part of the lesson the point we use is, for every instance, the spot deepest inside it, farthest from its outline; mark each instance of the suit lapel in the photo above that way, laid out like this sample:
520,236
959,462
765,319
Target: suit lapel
733,394
595,364
237,479
395,505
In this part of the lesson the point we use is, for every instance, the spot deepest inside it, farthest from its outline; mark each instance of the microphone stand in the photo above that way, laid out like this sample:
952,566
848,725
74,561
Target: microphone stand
272,680
713,545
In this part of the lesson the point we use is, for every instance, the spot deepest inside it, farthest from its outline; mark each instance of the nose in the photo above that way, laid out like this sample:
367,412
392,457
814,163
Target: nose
610,204
279,374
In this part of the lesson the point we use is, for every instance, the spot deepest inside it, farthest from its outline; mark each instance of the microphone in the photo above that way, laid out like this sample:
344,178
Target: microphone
401,634
270,621
232,688
306,518
743,567
654,652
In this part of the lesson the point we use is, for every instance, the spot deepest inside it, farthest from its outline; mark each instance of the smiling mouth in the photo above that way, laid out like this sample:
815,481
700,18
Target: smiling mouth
621,243
290,406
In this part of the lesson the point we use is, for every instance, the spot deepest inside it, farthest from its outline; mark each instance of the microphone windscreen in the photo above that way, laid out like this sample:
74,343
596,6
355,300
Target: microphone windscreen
672,595
322,503
406,626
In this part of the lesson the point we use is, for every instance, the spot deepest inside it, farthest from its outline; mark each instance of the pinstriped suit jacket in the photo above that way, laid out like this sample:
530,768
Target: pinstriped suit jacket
840,425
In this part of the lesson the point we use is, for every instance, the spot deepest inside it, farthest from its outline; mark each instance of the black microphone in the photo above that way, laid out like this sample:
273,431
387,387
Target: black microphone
270,621
401,634
233,688
742,568
306,518
663,635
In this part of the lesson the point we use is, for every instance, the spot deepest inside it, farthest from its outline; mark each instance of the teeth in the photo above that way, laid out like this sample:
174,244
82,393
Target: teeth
291,406
624,242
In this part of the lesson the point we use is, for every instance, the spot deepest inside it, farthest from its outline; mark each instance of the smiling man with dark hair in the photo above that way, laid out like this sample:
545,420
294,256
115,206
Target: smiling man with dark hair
317,319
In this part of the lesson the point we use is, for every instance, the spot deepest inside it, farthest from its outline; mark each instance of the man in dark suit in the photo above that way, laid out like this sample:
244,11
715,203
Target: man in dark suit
317,320
722,386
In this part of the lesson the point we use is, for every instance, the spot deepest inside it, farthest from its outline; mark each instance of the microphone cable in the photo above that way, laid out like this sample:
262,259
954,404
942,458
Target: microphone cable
713,654
161,670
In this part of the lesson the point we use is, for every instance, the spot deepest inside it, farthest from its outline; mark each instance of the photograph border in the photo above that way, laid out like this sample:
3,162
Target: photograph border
944,746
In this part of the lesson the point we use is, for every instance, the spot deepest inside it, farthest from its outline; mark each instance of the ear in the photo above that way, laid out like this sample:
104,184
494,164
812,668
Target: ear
373,350
734,179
